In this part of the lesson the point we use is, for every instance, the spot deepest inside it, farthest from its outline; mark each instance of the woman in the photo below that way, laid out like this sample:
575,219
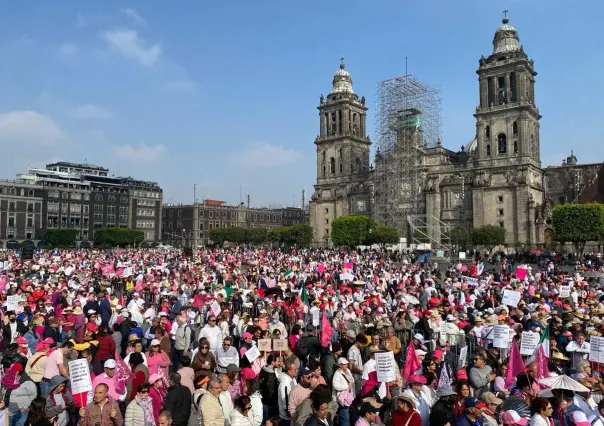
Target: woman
541,410
321,415
156,393
78,319
239,416
157,359
106,349
404,413
140,372
59,400
499,384
23,392
274,421
36,415
164,339
481,375
523,388
203,361
343,386
140,409
252,390
463,391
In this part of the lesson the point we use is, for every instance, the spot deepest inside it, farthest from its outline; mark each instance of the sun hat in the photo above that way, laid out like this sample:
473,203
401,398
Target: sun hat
405,398
490,398
416,379
511,417
445,392
342,361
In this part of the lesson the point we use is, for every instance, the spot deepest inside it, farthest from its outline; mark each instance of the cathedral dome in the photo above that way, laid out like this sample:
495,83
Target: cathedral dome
506,38
342,81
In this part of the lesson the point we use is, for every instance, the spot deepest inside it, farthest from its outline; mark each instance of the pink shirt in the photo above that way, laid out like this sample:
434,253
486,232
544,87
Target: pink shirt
110,382
52,364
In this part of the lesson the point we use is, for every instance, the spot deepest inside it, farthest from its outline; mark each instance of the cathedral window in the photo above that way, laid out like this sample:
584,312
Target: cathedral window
323,156
487,132
332,166
515,147
358,164
323,171
354,129
341,167
502,143
515,128
489,149
340,152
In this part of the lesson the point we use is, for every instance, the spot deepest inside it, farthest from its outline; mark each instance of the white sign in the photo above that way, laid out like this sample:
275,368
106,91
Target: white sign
12,303
316,317
529,342
443,330
501,336
215,307
385,364
79,376
472,281
596,350
463,357
564,291
510,298
252,353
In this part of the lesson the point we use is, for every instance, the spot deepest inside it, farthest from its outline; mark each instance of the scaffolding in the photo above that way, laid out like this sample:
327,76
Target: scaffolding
408,123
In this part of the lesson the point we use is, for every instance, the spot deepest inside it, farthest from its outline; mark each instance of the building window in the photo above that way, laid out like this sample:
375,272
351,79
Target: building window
30,193
123,199
86,197
323,171
487,132
323,156
76,196
12,206
98,197
30,207
500,198
22,192
332,166
499,212
501,224
515,147
211,213
11,221
340,152
341,168
326,221
224,215
326,210
488,149
515,128
502,143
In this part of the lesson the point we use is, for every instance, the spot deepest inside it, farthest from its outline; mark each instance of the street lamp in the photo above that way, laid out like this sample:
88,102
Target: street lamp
195,193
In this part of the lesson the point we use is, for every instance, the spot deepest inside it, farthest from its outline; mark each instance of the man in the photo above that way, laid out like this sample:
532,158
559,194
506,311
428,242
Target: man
490,411
225,397
54,367
212,332
102,411
473,413
135,302
210,409
137,346
226,355
105,309
286,383
578,350
269,386
182,342
178,401
368,414
355,361
598,418
165,418
331,363
306,383
13,329
276,324
109,380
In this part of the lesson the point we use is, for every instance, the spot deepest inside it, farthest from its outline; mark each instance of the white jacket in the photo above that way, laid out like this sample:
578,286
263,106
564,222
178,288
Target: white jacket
227,406
537,420
255,414
238,419
339,381
214,336
286,385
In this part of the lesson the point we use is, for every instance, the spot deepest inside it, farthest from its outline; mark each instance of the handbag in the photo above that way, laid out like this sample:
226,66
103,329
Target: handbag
345,398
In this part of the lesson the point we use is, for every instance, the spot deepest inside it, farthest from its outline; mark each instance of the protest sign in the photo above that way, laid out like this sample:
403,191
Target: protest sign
510,298
385,366
564,291
529,343
463,356
316,317
252,353
264,345
215,307
280,345
501,336
596,350
79,377
12,303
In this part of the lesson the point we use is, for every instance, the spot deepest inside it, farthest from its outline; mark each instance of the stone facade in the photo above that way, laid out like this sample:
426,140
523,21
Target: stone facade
494,179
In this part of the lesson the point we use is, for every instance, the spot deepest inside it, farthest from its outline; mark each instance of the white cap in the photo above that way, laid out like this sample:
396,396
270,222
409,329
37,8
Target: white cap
91,311
342,361
579,417
419,352
450,317
110,363
420,338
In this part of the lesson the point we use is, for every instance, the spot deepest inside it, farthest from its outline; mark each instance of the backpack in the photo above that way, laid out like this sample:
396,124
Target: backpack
192,333
303,347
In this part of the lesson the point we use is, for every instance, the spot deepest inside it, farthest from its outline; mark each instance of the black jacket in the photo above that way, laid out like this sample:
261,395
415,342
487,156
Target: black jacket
441,406
178,403
313,421
105,308
6,332
269,386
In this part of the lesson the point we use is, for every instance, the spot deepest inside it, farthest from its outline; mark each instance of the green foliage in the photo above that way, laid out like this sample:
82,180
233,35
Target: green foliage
117,237
578,223
60,237
458,236
351,231
383,235
256,236
300,235
488,236
233,234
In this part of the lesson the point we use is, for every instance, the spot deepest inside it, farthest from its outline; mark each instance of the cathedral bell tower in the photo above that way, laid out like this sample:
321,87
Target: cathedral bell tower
508,180
342,157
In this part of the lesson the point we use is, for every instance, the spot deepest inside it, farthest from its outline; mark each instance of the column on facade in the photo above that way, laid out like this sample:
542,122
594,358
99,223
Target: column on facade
508,88
322,124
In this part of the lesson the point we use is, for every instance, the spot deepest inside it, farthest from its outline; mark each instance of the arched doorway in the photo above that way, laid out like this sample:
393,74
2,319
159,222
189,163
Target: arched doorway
548,236
13,245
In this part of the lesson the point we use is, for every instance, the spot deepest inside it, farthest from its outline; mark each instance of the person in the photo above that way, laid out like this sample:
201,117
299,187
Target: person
416,393
598,418
367,414
165,419
182,342
472,415
140,372
320,415
269,386
490,411
210,409
226,355
300,392
178,401
21,396
541,410
274,421
343,386
102,411
331,364
140,409
59,401
203,361
356,362
239,416
187,374
256,414
404,413
444,406
36,415
212,333
13,329
481,375
54,366
109,379
157,359
286,382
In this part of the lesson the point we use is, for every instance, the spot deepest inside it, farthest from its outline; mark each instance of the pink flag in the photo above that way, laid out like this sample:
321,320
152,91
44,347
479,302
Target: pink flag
521,273
515,365
542,361
411,362
3,282
122,374
326,331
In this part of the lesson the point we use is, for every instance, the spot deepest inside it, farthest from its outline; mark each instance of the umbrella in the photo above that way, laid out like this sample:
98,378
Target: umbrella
273,290
563,382
518,405
411,299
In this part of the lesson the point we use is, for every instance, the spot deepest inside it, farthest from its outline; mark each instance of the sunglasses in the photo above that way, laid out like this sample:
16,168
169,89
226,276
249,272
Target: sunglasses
205,347
155,346
248,407
144,391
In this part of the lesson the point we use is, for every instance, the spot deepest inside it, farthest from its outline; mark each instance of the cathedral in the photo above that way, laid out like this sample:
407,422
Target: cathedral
494,179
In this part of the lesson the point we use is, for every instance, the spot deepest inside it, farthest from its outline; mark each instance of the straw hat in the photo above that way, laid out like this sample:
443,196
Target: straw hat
558,356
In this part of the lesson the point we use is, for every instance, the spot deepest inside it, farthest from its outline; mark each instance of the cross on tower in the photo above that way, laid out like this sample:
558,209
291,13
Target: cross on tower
505,13
342,62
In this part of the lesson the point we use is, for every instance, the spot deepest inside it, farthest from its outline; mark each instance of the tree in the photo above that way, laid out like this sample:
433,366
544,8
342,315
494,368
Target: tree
60,237
351,231
117,237
488,236
578,223
458,236
255,235
383,235
299,235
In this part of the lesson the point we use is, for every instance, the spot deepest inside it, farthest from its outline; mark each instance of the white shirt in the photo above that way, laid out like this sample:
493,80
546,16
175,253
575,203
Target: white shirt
214,336
227,406
286,385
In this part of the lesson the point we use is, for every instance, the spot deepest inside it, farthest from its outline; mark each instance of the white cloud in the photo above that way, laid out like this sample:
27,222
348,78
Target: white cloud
81,21
141,153
28,127
256,155
134,17
129,44
91,111
69,49
181,86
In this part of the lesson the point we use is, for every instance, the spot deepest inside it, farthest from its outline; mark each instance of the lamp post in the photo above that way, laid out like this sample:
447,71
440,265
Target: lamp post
195,193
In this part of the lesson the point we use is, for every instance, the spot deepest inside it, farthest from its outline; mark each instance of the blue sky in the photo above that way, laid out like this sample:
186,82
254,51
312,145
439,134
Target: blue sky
225,93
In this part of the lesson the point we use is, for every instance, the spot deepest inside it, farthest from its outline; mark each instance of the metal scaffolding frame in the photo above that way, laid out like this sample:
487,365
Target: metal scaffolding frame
408,122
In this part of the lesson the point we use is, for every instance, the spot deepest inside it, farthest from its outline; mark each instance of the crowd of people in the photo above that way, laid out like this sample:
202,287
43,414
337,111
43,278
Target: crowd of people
307,337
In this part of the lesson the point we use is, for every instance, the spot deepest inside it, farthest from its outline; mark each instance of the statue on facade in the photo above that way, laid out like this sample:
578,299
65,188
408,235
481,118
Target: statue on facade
482,61
322,99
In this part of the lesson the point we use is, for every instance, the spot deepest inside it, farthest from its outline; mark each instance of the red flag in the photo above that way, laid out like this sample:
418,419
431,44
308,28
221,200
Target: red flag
412,363
326,331
515,365
122,374
542,361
